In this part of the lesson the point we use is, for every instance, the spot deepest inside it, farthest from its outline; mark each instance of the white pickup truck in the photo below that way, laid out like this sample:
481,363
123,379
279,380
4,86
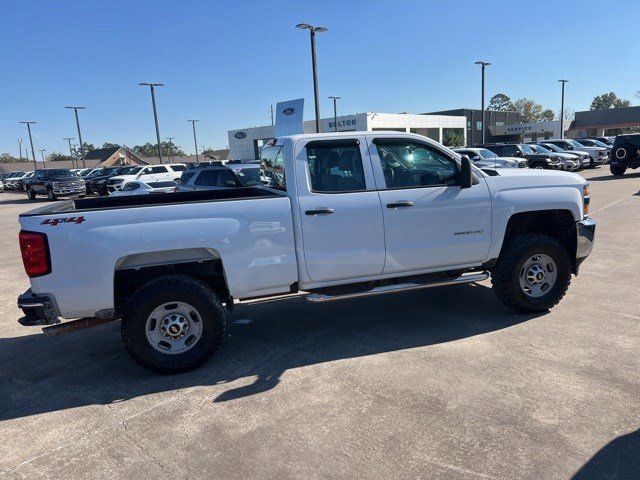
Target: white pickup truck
350,215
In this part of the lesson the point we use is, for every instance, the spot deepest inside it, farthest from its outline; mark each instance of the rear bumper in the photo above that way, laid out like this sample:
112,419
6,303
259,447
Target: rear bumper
586,230
37,309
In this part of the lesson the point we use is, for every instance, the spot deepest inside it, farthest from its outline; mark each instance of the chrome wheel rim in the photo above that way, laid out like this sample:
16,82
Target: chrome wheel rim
173,327
538,275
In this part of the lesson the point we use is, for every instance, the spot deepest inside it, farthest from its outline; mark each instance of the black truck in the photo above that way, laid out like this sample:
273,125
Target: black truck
54,183
98,183
522,150
625,153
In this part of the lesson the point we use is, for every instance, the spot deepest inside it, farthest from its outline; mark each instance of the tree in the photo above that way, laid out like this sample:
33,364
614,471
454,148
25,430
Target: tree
569,115
608,100
151,150
8,158
452,137
110,145
531,111
59,157
500,102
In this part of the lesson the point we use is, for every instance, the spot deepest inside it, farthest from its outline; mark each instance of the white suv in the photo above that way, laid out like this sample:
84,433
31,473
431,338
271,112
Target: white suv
150,173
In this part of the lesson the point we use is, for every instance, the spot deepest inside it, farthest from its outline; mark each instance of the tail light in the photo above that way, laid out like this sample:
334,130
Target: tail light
35,253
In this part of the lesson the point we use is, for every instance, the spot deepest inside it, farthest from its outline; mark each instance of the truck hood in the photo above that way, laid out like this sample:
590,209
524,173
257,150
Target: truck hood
516,178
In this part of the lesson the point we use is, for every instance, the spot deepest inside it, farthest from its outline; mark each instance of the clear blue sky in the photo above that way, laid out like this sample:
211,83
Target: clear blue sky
224,62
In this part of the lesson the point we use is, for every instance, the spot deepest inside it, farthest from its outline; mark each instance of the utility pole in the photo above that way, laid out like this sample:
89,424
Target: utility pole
484,65
155,112
42,150
272,114
170,148
20,147
73,164
562,108
195,140
335,113
33,152
75,109
312,32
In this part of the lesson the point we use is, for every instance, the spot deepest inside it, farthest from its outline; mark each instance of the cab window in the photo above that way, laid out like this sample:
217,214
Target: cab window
335,166
409,164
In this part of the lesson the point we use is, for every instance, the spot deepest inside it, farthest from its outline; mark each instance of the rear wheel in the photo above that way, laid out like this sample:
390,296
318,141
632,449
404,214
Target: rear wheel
173,324
31,194
50,194
532,274
617,170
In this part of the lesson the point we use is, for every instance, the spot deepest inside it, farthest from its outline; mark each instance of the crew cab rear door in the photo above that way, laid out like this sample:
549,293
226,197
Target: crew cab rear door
430,222
341,217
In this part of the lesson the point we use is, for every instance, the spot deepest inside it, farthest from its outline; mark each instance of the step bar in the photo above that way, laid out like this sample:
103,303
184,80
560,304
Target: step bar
400,287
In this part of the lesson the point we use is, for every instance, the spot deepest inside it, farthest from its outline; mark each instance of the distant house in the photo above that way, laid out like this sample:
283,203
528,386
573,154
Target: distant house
113,156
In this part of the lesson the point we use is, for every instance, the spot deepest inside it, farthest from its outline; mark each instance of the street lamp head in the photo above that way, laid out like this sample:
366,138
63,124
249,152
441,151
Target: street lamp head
27,122
77,108
320,29
484,64
335,98
563,81
304,26
145,84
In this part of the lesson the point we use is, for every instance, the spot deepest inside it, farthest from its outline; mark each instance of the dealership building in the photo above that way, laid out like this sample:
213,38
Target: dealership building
246,143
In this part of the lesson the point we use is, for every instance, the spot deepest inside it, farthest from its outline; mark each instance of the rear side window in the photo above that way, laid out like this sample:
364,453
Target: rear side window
335,166
158,169
226,179
185,177
178,168
206,177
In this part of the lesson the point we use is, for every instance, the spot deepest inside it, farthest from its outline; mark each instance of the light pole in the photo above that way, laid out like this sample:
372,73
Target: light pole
562,109
312,32
20,147
195,139
271,114
75,109
42,150
170,148
335,113
33,152
483,65
68,139
155,112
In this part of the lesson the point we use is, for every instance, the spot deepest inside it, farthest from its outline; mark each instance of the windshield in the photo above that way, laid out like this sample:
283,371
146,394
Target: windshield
553,147
58,172
526,148
575,144
134,170
96,172
123,170
587,143
485,153
541,149
599,143
249,177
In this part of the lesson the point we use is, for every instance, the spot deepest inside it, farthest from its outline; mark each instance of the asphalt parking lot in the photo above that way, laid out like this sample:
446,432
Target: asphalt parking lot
443,383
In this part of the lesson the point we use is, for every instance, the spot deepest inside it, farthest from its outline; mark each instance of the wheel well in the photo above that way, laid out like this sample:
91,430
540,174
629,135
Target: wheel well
127,281
558,224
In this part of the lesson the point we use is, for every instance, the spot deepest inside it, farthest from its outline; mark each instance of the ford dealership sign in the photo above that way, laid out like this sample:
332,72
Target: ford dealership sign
240,135
289,111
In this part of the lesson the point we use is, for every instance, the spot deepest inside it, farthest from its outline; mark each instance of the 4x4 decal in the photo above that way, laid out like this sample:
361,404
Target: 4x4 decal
55,221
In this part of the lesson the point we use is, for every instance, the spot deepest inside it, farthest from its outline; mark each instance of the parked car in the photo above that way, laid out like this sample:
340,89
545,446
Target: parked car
625,153
251,174
54,183
585,158
98,183
608,141
570,162
20,181
484,158
8,180
93,173
150,173
1,184
522,150
353,214
138,187
208,178
598,155
591,142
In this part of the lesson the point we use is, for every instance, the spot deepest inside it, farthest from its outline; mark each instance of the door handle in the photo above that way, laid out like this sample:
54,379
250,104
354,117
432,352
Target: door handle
400,204
320,211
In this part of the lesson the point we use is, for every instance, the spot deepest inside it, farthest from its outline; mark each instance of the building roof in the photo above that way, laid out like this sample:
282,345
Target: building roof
101,154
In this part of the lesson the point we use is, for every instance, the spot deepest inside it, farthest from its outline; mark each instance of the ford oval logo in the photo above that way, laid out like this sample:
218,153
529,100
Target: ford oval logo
289,111
240,135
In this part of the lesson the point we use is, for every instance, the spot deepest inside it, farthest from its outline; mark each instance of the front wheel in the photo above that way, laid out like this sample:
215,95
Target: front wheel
532,274
617,170
173,324
50,195
31,194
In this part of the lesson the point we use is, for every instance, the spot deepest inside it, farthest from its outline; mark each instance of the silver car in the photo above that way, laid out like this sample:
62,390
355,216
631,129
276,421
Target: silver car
485,158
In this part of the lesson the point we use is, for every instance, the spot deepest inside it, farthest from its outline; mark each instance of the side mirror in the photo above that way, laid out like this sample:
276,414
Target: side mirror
465,172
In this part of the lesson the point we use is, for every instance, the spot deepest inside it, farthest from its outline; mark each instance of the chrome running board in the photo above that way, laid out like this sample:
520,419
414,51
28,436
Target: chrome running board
400,287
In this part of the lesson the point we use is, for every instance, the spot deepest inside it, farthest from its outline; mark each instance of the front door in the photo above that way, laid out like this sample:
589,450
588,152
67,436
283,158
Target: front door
341,218
430,222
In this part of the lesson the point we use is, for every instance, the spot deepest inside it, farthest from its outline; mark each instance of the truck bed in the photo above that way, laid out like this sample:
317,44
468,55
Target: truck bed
147,200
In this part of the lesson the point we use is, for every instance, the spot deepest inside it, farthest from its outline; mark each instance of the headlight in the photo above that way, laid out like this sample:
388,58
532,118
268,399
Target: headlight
586,199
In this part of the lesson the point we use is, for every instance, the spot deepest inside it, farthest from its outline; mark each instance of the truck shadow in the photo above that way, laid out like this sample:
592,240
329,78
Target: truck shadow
619,459
605,178
40,374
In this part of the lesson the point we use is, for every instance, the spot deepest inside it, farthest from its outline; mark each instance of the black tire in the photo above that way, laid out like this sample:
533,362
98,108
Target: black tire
505,274
178,288
617,170
31,194
50,195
